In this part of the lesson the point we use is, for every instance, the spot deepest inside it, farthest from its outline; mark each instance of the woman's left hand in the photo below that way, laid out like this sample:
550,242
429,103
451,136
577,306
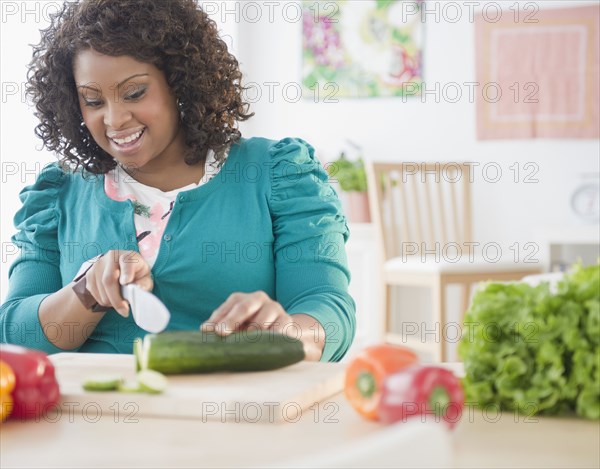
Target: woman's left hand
248,310
257,310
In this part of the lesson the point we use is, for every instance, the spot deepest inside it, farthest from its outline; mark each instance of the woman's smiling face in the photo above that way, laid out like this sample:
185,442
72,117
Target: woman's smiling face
129,110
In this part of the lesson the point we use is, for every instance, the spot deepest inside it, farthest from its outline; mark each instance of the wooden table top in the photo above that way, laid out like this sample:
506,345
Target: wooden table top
330,434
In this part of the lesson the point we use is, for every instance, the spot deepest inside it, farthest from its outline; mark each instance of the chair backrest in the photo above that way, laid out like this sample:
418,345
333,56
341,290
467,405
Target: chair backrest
424,203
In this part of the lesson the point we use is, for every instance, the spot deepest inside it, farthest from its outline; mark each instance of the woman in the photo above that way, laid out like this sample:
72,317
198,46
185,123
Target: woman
157,187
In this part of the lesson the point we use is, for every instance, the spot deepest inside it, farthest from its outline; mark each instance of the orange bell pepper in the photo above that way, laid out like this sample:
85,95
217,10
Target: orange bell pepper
6,406
7,384
367,371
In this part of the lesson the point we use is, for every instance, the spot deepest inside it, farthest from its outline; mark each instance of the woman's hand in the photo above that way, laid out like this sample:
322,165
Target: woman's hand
256,310
113,269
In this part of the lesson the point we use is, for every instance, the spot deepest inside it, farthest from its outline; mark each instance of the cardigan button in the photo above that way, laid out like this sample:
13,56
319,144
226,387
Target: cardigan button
181,198
167,237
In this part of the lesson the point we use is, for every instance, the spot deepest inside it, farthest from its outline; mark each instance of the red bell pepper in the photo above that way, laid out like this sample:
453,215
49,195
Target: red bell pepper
421,390
366,372
36,389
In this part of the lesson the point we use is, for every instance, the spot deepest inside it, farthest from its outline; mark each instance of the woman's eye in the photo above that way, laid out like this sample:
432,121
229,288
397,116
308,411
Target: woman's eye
133,96
137,94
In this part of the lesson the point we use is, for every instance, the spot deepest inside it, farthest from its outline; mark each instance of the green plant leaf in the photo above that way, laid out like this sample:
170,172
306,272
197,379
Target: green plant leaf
351,175
528,348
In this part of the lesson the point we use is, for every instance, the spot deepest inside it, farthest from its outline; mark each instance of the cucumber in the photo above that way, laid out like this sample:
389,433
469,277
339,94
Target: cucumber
182,352
103,383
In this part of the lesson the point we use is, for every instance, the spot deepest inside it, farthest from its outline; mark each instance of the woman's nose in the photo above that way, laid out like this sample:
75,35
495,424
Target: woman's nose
116,115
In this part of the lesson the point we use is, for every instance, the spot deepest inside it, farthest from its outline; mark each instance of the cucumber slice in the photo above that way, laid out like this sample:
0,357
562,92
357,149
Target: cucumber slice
102,383
144,351
152,381
130,386
137,353
148,381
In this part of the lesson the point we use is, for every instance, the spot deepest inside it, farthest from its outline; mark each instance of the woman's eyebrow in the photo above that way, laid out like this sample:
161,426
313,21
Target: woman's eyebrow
118,84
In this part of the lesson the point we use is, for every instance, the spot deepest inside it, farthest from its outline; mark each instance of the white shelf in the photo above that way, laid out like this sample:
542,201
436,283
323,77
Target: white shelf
564,245
574,234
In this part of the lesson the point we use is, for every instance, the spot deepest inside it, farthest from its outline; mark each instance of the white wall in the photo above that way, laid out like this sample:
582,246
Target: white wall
21,156
391,129
386,128
412,130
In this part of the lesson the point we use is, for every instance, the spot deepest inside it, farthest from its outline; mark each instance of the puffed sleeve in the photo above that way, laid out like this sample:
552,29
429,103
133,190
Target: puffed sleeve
310,231
35,274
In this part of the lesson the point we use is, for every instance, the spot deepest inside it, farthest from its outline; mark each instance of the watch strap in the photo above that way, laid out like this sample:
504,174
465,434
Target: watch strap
81,291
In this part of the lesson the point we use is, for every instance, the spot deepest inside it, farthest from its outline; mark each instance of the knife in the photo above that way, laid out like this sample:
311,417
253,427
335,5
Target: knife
148,311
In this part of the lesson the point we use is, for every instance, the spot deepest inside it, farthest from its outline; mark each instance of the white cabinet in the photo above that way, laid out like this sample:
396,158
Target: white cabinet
561,246
364,283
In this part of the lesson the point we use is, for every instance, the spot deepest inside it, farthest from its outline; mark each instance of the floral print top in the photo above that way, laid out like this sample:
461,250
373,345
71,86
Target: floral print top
152,206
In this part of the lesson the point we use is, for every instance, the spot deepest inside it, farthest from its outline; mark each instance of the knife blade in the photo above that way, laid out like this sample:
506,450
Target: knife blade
148,311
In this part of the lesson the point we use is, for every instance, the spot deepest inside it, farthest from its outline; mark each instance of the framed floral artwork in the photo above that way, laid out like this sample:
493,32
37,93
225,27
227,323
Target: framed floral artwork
365,48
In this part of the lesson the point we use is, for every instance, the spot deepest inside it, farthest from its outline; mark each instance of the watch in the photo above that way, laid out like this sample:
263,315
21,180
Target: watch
80,288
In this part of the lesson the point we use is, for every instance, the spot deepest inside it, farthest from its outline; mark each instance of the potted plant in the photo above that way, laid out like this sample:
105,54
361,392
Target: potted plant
352,180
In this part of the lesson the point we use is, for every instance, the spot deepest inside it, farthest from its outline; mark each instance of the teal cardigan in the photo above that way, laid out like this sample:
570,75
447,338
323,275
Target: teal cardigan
269,220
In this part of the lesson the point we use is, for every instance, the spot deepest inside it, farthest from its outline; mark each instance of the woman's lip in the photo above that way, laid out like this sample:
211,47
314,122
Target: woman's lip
125,133
128,148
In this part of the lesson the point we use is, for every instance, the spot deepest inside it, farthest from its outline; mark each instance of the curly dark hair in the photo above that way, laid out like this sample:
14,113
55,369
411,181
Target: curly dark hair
176,36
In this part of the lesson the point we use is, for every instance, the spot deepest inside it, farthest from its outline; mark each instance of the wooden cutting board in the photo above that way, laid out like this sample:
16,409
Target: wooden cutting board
268,396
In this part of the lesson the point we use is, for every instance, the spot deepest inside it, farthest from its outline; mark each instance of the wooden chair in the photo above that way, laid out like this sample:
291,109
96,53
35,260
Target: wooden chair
422,217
